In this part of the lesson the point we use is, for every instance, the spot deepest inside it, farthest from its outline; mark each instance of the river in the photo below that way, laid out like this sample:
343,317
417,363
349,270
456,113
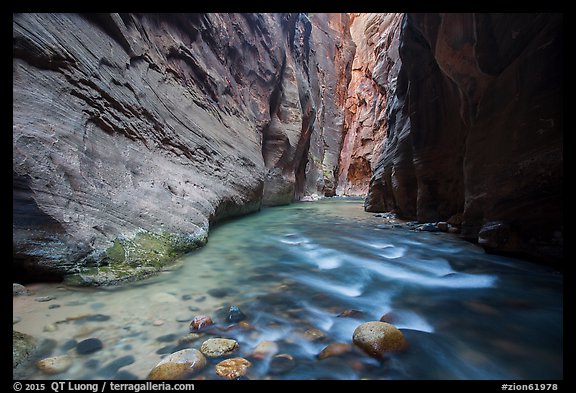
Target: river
306,275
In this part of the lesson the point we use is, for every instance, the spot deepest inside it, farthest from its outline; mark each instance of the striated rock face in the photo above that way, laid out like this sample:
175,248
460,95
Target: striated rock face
373,79
475,128
133,133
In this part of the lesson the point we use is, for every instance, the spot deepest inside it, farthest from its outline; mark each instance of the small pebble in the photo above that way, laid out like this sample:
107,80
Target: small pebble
53,306
200,321
235,314
158,322
16,319
219,292
281,364
54,365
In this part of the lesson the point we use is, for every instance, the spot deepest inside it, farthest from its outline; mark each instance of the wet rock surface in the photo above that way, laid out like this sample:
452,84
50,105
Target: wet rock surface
218,347
89,346
55,365
378,338
178,365
232,368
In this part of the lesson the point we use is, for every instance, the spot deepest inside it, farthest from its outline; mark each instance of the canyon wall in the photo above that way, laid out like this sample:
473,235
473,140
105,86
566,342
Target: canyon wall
132,133
372,81
474,132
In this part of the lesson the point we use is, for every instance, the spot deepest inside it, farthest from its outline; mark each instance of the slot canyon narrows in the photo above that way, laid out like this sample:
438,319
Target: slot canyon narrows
287,196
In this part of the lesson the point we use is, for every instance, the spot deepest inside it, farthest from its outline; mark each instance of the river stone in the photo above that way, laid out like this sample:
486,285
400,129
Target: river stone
334,349
90,345
110,369
377,338
281,364
199,322
189,338
216,347
235,314
265,349
53,306
178,365
19,290
314,334
22,347
54,365
16,319
232,368
44,298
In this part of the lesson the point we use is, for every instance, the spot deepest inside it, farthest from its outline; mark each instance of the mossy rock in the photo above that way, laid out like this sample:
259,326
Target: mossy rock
134,259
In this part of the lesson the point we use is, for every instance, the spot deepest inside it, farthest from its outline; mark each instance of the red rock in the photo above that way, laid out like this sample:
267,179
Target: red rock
199,322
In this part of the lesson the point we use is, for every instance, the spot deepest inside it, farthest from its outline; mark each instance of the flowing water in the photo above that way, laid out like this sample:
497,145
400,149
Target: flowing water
306,275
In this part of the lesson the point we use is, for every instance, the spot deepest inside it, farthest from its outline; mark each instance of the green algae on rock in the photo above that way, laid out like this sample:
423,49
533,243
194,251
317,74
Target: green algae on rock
134,259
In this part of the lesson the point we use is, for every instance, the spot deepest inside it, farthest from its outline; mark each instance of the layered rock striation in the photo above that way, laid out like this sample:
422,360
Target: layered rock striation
133,133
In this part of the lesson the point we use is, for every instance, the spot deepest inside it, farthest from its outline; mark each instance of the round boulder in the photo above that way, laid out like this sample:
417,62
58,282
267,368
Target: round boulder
377,338
199,322
232,368
178,365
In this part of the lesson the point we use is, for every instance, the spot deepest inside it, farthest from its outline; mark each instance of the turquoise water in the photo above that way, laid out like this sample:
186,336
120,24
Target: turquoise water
293,270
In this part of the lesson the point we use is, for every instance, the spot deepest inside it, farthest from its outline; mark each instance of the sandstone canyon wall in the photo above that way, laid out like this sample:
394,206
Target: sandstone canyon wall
133,133
372,81
474,129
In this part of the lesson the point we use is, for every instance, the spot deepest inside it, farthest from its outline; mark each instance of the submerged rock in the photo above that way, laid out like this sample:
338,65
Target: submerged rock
199,322
216,347
189,338
265,349
178,365
314,334
235,314
377,338
54,365
233,368
282,363
90,345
